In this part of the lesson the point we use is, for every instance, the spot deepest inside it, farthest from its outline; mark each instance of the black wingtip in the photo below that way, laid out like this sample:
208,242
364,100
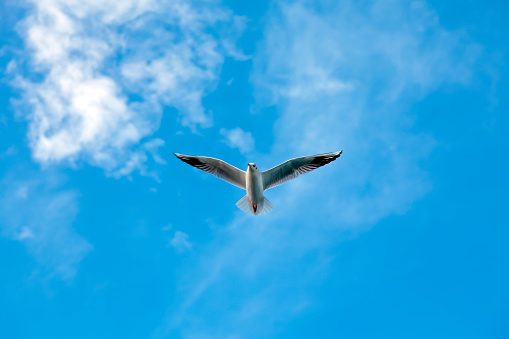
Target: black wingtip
337,155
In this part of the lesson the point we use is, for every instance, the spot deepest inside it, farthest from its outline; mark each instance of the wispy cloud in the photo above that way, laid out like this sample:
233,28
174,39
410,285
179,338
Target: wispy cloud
238,138
97,74
36,213
387,56
180,242
351,89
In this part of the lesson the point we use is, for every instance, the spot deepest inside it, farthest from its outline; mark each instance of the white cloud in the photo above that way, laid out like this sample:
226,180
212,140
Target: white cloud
350,89
348,47
152,146
180,242
238,138
41,217
100,71
26,233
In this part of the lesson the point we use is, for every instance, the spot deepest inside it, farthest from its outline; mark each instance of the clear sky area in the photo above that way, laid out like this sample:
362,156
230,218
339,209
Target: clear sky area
104,233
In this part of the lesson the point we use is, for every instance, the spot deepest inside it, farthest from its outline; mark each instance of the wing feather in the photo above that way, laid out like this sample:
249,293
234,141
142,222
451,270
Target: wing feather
292,168
216,167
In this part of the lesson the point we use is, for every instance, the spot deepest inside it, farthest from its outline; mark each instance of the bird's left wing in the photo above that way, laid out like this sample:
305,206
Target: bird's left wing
216,167
291,169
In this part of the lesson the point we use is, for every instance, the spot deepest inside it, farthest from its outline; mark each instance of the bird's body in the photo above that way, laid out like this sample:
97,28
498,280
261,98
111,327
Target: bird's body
254,186
256,182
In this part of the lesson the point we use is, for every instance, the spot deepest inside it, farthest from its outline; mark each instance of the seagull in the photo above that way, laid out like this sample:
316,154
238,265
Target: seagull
256,182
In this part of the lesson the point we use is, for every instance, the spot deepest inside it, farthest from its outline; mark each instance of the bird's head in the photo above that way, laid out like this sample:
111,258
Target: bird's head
252,166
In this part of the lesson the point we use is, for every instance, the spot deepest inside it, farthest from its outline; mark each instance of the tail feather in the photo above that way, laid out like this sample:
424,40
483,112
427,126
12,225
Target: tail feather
243,204
263,207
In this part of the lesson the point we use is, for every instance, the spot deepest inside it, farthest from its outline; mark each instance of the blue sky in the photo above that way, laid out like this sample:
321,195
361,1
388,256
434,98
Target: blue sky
104,233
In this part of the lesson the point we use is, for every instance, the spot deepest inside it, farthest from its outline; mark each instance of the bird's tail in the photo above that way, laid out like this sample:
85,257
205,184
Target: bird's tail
263,207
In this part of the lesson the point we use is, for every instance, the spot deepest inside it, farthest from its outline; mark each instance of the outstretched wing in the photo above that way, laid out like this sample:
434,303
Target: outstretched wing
216,167
291,169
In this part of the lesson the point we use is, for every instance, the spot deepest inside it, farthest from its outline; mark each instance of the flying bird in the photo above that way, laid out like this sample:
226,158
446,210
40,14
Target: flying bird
256,182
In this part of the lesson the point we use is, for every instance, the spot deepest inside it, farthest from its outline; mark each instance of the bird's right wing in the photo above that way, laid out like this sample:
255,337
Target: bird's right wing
291,169
216,167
